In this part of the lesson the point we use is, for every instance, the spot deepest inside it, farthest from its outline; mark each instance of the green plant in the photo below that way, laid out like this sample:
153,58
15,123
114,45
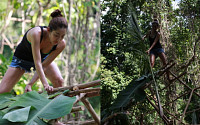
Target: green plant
36,108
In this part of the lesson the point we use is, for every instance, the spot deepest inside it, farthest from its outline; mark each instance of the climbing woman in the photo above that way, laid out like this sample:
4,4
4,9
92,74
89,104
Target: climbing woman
155,49
37,50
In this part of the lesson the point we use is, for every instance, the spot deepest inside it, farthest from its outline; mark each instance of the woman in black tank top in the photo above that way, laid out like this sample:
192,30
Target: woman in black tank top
38,49
155,47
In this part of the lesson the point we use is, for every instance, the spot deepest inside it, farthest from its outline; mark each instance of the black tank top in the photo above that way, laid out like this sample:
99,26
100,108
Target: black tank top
158,45
24,51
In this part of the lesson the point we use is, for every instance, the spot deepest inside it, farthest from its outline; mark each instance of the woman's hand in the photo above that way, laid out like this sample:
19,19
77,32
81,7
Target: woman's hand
48,88
28,88
142,38
148,52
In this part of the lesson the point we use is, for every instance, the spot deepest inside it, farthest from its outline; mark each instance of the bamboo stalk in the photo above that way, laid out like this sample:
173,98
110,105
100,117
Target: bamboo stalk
91,110
80,86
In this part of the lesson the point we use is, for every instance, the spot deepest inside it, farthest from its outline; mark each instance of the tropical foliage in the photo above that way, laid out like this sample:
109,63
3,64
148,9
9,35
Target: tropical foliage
124,59
31,108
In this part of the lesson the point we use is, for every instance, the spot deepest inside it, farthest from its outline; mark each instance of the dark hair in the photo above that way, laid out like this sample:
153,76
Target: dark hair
57,21
155,21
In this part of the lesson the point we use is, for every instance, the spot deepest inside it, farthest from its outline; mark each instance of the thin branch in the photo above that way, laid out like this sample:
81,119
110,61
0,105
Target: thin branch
80,86
187,105
91,110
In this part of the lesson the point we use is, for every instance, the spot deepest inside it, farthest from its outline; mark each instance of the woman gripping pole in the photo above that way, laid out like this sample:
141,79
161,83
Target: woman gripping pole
155,49
38,49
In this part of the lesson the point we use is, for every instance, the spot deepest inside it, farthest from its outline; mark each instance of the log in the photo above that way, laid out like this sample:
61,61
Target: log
80,86
91,110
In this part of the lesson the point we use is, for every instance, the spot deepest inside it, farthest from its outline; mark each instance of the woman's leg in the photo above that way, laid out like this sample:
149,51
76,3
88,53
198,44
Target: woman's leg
152,60
53,74
164,61
163,58
9,80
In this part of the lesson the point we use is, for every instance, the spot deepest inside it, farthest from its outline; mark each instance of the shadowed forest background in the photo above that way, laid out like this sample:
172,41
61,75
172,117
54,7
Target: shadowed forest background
124,61
79,62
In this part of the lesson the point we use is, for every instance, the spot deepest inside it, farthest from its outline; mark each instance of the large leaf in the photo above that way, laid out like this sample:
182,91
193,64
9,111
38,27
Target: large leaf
31,99
58,107
131,93
45,108
13,116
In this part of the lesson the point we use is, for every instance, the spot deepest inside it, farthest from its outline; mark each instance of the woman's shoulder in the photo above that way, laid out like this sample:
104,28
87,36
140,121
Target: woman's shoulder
34,32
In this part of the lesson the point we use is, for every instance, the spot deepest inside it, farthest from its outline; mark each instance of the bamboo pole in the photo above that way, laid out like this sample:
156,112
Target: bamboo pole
91,110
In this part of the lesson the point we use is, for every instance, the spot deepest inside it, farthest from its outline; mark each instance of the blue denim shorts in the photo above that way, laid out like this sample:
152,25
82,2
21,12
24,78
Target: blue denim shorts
23,64
156,51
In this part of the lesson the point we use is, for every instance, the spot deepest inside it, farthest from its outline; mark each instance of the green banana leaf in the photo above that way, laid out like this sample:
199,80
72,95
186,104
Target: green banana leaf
43,107
131,93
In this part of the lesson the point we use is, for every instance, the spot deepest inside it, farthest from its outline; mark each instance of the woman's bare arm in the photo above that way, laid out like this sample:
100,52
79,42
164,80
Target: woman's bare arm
34,37
47,61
